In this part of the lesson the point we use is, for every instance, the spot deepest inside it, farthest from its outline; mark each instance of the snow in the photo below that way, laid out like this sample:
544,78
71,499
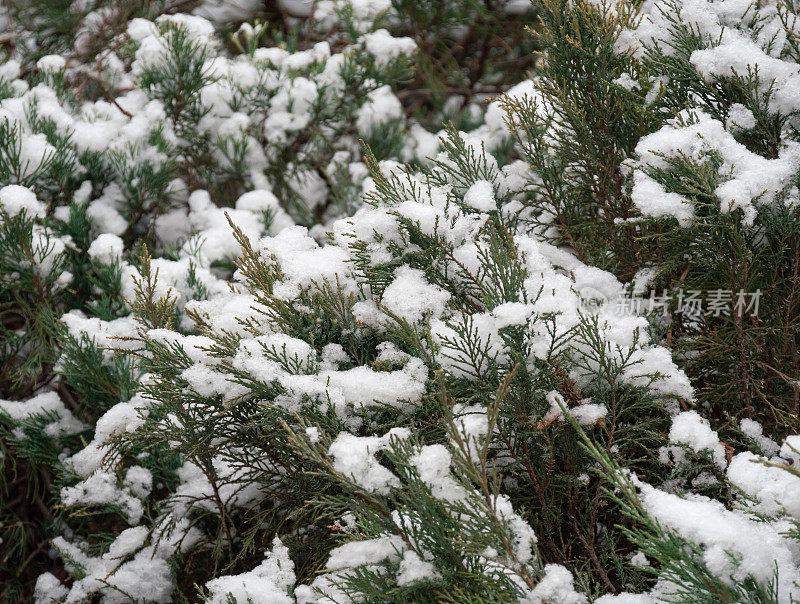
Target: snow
589,413
373,364
626,82
740,118
412,298
754,430
364,386
146,577
640,560
48,588
48,405
358,553
653,200
774,489
105,334
9,70
691,429
354,456
121,418
15,199
522,533
51,63
267,583
385,47
757,548
382,106
433,464
414,569
139,481
303,262
298,8
790,449
101,488
106,248
555,586
224,12
480,196
472,422
746,179
195,490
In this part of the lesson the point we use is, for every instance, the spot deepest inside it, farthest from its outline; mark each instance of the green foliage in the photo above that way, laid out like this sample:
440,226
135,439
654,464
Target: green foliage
269,406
